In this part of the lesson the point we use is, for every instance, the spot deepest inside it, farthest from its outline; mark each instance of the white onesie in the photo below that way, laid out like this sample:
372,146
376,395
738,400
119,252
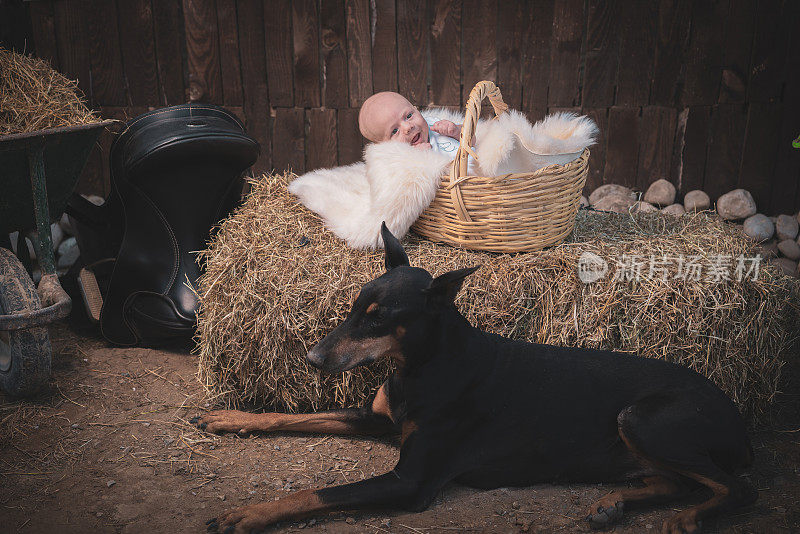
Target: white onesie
443,144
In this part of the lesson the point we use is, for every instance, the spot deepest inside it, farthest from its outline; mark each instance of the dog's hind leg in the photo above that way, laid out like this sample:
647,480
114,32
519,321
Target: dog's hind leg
700,438
609,508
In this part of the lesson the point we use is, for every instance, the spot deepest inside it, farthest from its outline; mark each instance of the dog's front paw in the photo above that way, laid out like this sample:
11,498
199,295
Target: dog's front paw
245,520
601,516
220,421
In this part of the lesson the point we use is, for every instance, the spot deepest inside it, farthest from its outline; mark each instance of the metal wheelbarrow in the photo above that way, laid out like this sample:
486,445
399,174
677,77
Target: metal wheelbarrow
38,171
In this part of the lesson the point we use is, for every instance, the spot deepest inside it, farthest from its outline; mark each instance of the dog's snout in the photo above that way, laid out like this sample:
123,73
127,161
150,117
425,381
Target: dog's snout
315,357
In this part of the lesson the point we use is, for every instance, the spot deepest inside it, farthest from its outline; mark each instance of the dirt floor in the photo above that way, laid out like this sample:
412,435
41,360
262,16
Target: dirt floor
109,449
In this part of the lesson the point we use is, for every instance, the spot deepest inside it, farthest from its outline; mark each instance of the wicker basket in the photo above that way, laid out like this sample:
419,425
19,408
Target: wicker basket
509,213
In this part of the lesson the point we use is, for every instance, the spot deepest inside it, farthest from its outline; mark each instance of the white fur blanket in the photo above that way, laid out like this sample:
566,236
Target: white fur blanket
396,181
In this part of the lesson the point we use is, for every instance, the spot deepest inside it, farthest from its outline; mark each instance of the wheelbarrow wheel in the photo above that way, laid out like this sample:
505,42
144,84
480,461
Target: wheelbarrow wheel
25,355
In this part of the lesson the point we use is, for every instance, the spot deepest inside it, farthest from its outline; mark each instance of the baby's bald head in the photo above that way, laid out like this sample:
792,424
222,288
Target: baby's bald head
378,111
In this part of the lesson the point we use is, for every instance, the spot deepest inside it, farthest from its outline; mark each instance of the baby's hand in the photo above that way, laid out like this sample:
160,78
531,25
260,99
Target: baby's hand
447,128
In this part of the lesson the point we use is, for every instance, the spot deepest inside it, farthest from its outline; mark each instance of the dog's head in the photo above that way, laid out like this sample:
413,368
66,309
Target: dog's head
391,314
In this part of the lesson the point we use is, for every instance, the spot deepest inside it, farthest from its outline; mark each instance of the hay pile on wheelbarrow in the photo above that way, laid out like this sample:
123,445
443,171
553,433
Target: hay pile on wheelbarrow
276,282
33,96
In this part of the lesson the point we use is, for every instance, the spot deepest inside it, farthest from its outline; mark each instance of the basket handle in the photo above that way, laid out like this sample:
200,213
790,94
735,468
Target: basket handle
460,166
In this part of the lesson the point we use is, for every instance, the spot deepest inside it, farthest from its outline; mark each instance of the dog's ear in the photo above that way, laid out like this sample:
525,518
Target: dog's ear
395,255
443,289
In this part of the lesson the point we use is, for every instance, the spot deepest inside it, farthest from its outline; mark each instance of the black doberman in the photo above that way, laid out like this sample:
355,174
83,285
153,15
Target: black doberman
487,411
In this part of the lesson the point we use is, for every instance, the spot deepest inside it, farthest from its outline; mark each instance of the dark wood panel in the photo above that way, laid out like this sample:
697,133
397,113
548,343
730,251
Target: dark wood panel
446,52
95,177
737,50
44,31
760,151
622,149
305,39
536,64
105,55
636,50
229,53
726,136
202,49
278,37
479,38
597,159
689,151
321,149
672,38
359,52
412,51
602,52
568,23
703,59
770,49
384,45
333,43
73,43
288,140
511,30
786,177
170,52
254,78
15,26
351,144
656,138
138,51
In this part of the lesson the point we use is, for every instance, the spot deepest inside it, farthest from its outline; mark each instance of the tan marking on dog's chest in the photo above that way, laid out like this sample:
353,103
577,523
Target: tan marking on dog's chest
381,406
409,427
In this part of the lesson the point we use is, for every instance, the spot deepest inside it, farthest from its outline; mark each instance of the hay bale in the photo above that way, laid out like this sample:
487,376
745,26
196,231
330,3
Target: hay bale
33,96
276,282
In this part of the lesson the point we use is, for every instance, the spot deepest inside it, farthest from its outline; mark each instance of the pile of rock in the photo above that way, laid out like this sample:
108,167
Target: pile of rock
65,246
659,197
778,235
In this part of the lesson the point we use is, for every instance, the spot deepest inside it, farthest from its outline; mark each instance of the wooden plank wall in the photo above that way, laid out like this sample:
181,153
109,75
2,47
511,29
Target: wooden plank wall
706,94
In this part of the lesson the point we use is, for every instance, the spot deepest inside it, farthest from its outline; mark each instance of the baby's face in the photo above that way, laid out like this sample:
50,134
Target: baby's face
393,118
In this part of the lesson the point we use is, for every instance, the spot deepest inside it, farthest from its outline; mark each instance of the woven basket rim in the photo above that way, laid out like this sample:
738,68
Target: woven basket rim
544,171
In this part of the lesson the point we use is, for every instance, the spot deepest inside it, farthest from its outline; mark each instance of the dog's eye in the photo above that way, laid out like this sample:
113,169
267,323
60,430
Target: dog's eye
372,308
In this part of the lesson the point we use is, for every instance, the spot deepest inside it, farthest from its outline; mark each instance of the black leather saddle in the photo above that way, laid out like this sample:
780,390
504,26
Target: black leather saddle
175,173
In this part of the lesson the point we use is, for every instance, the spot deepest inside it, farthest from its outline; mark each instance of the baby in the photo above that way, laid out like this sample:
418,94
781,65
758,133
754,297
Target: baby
388,116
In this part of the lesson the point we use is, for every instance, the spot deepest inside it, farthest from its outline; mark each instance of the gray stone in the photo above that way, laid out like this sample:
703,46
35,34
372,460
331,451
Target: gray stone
676,210
610,189
736,205
31,248
68,253
616,203
643,207
790,249
758,227
14,238
57,234
696,201
66,245
786,265
660,192
769,249
786,227
584,201
65,225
